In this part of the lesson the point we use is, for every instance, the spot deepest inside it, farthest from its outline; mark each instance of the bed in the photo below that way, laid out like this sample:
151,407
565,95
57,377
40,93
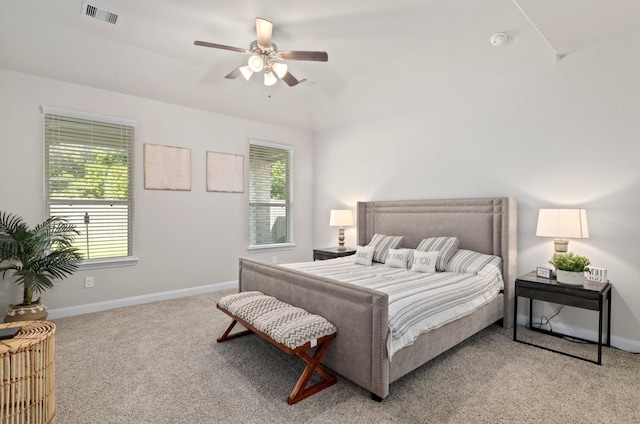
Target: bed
359,353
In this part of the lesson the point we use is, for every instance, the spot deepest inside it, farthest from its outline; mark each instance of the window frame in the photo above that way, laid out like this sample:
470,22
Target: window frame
289,202
98,262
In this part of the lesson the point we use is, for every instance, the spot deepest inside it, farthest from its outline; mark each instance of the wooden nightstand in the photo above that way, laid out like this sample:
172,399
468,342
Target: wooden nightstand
331,252
591,295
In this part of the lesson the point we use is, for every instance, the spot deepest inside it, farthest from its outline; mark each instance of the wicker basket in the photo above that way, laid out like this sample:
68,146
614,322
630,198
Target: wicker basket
27,374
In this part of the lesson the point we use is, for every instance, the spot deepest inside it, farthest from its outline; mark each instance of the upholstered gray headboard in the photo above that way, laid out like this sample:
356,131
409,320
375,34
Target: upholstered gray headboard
486,225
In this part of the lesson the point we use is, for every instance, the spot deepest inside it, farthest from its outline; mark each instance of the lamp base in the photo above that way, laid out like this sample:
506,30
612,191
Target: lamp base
561,247
341,239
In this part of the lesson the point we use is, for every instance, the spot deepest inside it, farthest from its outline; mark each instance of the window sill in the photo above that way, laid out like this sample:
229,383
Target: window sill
108,263
279,246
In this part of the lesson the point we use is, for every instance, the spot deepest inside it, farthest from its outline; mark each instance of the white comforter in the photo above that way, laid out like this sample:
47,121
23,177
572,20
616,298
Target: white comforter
418,302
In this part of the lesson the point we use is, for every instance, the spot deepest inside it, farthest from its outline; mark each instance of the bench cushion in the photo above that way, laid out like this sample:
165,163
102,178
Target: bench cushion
285,324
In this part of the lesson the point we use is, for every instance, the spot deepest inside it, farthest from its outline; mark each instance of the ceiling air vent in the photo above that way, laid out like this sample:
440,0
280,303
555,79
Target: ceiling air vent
100,14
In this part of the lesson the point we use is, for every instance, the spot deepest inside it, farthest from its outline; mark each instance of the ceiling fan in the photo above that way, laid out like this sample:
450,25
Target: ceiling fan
266,58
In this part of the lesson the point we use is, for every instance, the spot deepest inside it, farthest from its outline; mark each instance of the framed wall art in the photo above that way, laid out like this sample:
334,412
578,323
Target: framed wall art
167,167
225,172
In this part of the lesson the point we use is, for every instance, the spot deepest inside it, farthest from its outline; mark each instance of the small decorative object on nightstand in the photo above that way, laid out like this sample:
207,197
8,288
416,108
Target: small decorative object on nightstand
331,253
544,272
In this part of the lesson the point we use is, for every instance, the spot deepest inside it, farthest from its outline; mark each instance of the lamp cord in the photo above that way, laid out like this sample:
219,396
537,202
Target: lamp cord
547,321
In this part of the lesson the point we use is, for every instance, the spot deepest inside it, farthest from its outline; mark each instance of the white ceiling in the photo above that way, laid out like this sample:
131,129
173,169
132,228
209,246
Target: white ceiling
152,55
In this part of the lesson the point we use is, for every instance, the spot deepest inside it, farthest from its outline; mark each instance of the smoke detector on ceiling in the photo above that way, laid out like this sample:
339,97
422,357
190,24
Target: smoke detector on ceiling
498,39
100,14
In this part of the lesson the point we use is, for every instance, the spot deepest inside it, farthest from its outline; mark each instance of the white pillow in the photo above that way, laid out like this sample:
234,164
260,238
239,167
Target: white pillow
424,261
397,258
364,255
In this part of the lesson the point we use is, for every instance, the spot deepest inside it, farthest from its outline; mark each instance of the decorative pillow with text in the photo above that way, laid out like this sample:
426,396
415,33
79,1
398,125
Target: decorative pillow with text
398,258
364,255
424,261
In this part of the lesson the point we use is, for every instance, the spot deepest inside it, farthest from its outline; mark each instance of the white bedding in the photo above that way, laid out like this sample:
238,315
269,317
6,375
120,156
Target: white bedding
418,302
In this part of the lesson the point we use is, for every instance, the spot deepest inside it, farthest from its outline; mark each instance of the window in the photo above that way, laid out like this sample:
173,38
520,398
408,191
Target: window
89,181
270,200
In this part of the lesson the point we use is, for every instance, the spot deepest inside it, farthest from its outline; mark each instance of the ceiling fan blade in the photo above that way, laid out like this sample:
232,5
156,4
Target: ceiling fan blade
264,29
302,55
234,74
290,80
220,46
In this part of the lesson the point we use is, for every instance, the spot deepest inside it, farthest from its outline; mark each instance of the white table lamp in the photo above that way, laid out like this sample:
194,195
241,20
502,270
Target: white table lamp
562,224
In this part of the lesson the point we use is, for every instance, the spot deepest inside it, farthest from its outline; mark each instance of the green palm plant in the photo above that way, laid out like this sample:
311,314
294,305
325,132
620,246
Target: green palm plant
36,257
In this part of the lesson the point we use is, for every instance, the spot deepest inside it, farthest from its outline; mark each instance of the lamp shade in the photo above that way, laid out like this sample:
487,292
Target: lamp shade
341,218
269,78
246,72
562,223
280,69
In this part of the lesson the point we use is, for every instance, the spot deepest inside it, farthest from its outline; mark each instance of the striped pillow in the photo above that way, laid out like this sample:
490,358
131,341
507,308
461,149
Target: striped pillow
469,262
447,246
382,244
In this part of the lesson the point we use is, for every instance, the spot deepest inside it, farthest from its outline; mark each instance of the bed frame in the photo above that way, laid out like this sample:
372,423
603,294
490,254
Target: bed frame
486,225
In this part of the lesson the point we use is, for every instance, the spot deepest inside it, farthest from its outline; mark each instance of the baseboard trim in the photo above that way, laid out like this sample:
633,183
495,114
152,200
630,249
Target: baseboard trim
617,342
138,300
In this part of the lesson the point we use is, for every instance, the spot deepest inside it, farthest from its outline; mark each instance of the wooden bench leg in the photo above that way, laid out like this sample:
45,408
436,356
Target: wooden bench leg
300,390
226,336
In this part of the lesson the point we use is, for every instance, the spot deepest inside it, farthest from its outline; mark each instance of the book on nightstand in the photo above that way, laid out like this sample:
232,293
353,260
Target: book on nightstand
9,333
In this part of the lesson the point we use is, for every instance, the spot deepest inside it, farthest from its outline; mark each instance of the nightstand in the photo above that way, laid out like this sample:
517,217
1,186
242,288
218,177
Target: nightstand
331,252
591,295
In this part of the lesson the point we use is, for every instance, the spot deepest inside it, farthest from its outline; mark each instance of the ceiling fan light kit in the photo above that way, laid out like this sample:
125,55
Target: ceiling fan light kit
255,63
269,79
266,58
280,69
246,72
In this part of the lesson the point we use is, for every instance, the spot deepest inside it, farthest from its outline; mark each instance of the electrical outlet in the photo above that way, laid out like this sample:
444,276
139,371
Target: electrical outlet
274,260
88,282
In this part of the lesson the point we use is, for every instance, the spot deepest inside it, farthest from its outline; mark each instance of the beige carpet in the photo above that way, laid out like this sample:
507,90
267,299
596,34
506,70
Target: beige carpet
159,363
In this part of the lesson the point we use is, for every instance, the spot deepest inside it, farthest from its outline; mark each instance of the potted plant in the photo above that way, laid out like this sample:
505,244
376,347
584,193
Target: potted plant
35,258
570,268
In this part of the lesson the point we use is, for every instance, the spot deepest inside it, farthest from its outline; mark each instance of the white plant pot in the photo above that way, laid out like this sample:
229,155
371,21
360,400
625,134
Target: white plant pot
570,278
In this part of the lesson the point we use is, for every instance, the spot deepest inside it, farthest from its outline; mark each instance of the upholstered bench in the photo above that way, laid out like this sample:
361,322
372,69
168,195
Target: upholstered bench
292,329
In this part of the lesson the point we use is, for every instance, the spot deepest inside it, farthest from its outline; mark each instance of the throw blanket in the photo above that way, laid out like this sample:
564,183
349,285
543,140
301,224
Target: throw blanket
418,302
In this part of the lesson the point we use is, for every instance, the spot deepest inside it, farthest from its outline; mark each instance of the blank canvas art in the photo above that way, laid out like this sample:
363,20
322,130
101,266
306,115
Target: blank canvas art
225,172
167,168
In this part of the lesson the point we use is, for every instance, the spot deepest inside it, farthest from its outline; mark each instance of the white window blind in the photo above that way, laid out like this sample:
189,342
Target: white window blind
89,180
270,194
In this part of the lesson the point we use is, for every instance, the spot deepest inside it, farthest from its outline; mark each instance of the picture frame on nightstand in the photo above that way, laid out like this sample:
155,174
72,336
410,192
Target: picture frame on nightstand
544,272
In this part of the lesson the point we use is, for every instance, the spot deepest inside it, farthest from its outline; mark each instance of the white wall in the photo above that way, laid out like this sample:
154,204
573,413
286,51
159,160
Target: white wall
183,239
475,122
